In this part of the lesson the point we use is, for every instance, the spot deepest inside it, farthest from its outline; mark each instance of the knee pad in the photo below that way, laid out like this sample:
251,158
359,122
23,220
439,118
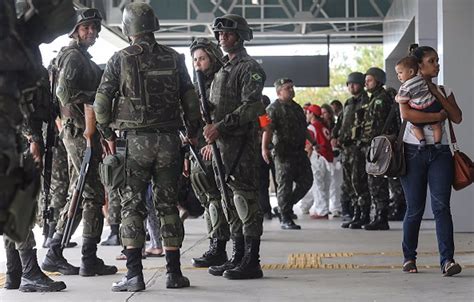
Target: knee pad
247,208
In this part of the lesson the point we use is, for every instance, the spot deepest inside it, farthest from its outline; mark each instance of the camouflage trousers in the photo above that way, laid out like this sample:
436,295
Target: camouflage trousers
27,244
292,169
114,209
93,195
151,157
347,190
205,188
355,167
243,208
397,196
378,188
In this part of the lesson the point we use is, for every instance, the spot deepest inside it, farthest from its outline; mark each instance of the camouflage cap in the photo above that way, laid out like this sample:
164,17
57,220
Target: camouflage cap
282,81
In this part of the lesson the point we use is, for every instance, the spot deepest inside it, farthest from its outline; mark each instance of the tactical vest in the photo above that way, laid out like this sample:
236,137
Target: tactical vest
149,88
372,121
87,81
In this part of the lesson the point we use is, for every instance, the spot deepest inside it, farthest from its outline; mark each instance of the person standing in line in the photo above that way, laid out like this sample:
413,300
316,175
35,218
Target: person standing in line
76,85
371,124
207,58
288,133
321,160
235,101
144,93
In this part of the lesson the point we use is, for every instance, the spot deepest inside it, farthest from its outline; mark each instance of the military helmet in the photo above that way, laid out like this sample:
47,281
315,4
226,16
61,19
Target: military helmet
208,46
232,23
139,18
84,15
378,74
356,77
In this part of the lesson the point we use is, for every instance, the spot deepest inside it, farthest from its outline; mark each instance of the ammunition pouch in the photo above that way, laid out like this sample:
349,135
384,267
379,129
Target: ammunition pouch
112,168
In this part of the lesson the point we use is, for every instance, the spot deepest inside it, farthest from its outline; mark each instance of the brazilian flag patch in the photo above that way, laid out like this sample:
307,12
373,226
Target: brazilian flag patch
378,102
256,77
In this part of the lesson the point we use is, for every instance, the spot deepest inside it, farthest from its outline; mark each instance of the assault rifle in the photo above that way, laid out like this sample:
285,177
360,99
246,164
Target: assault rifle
51,136
77,196
194,152
215,150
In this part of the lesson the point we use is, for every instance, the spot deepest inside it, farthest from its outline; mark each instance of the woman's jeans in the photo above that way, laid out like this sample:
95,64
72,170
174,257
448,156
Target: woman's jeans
433,167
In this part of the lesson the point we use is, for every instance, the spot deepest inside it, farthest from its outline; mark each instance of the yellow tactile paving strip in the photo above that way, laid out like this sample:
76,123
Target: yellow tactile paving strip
316,261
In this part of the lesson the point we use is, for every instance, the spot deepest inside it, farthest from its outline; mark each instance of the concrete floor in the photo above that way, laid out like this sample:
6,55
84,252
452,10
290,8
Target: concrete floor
322,262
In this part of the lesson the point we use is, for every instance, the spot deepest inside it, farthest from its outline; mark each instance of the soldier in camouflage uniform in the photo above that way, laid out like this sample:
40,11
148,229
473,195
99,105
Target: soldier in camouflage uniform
24,90
154,90
288,132
207,57
353,159
374,119
76,83
235,100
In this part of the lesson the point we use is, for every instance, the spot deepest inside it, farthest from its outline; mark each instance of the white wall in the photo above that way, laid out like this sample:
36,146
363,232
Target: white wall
456,50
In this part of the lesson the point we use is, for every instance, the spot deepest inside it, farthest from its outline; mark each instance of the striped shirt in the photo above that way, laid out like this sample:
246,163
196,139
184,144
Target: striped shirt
415,92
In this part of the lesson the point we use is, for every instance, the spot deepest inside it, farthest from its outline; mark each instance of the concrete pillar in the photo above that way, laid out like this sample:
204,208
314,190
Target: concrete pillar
456,49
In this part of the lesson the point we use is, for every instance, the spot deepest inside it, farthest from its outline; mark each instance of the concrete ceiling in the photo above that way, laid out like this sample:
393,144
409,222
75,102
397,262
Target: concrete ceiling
273,21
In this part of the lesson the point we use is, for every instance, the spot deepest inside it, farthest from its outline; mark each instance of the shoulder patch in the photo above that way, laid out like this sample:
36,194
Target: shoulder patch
378,102
256,77
132,50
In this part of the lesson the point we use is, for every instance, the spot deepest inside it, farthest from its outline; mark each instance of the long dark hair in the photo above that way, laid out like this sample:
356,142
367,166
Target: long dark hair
419,52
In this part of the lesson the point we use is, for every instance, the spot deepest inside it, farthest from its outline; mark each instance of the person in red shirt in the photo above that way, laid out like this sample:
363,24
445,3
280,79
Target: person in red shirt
321,161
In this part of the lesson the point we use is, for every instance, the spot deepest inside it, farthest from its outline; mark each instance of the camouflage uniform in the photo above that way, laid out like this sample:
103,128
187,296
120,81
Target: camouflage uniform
354,158
24,83
205,187
151,133
292,165
375,115
235,100
59,179
78,78
235,95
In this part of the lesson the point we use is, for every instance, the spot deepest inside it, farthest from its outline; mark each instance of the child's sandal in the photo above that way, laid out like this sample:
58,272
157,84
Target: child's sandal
410,267
451,268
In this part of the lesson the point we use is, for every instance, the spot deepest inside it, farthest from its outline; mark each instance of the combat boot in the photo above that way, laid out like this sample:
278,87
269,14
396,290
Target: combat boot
397,212
355,218
249,267
238,250
33,279
287,223
55,261
13,273
90,264
133,281
380,222
216,255
364,219
174,276
113,239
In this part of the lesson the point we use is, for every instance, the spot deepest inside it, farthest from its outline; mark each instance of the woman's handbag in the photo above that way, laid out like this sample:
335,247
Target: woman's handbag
463,166
386,156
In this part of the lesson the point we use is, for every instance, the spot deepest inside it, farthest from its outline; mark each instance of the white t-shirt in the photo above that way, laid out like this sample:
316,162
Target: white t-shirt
410,138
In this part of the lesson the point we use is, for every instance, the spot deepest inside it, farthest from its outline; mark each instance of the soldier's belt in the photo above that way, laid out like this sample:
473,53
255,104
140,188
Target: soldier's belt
125,133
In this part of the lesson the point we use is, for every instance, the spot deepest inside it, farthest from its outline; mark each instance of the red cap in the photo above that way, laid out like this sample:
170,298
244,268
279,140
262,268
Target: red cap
315,109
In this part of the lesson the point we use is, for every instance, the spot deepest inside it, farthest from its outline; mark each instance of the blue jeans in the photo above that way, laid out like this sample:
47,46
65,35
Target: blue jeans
433,167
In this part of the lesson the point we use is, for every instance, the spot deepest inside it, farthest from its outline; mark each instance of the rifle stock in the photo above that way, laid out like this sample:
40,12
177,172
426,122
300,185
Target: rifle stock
215,149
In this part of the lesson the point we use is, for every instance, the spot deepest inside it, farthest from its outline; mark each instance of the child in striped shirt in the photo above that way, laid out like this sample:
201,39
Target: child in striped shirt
415,92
